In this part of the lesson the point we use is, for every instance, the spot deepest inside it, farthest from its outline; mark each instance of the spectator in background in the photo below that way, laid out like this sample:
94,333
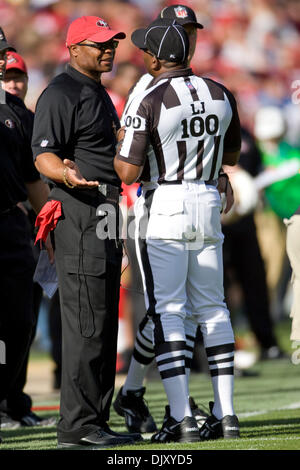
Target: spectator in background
16,408
282,189
15,80
241,251
293,251
281,178
126,75
21,181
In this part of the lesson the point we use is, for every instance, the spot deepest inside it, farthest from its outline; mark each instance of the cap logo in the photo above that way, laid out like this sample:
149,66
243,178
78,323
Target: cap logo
1,36
11,60
181,12
102,24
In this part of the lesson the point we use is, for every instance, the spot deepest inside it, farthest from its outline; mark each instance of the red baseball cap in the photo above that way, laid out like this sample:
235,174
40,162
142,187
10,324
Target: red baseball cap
92,28
15,61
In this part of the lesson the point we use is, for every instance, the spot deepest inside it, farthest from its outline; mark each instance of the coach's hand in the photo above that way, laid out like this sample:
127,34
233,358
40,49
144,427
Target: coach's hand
49,248
74,177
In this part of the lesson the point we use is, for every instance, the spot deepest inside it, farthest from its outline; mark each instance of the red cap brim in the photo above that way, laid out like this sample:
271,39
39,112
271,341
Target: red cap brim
103,35
106,35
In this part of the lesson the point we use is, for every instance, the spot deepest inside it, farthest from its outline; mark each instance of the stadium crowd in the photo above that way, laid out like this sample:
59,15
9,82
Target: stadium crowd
251,46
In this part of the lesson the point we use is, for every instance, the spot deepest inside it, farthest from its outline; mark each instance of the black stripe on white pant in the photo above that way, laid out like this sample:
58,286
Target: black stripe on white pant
143,348
221,359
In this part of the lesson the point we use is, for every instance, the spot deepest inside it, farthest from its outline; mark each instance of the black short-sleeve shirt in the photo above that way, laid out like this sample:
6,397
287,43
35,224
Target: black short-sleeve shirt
16,161
76,119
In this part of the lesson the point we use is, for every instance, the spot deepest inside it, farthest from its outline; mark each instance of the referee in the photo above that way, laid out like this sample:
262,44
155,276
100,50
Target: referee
178,133
74,142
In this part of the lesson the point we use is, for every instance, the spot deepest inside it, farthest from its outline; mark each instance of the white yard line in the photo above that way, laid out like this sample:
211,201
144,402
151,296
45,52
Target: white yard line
292,406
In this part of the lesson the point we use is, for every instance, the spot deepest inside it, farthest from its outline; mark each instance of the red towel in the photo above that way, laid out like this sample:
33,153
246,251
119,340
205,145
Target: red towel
47,219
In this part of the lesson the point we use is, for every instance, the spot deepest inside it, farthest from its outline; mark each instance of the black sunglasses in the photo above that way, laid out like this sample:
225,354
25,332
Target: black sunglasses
148,52
102,46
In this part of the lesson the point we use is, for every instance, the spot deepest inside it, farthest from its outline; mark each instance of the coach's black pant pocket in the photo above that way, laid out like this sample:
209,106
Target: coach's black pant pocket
86,278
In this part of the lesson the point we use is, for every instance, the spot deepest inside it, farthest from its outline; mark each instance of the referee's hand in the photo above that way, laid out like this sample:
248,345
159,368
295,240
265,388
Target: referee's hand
224,187
75,178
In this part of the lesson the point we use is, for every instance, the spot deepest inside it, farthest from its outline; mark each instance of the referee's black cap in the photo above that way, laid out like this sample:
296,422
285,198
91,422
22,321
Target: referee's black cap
3,43
165,38
182,14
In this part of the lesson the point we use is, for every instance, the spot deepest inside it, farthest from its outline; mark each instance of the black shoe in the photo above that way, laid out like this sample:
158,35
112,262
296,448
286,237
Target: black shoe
274,352
135,436
177,431
97,439
213,428
31,419
6,421
199,414
135,411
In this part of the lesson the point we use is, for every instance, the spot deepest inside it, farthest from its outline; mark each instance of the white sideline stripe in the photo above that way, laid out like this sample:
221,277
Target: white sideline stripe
272,438
292,406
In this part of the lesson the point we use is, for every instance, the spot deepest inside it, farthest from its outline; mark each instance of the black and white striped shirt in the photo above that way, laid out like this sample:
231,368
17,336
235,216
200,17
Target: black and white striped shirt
179,127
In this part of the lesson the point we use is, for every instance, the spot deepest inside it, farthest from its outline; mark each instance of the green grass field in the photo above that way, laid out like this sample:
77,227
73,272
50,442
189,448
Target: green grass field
267,403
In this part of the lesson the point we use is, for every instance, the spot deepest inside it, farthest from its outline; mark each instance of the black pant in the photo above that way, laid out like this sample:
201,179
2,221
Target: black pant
89,279
55,336
17,320
242,252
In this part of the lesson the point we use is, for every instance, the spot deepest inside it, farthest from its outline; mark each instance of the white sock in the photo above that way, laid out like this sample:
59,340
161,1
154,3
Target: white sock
223,395
220,361
136,375
176,390
187,375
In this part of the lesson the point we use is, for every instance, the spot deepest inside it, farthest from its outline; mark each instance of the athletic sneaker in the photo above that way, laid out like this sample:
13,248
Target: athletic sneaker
31,419
199,414
213,428
135,411
6,422
177,431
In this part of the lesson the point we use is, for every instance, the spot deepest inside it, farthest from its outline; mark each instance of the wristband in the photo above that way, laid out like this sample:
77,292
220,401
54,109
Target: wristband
69,185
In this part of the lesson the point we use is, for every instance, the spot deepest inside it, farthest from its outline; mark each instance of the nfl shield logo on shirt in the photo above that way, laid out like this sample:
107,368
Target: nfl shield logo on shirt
9,123
44,143
180,12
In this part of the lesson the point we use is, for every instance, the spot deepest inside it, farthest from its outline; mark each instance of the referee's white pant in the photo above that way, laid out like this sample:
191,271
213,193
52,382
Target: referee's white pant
182,270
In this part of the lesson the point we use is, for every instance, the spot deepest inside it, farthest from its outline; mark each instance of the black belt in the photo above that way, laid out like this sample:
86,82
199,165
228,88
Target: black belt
108,191
208,182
